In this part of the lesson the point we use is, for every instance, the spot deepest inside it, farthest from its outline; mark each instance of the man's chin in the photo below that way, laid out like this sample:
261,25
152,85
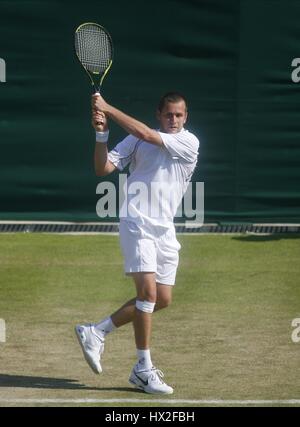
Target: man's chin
173,130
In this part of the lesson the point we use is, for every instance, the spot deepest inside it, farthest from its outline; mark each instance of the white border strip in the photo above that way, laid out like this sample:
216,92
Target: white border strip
162,401
58,222
209,224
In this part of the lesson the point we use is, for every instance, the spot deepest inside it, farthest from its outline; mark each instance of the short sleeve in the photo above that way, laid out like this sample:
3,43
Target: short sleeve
123,152
182,145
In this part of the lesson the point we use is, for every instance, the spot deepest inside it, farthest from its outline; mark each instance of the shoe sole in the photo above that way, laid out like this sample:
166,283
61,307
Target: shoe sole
88,360
140,387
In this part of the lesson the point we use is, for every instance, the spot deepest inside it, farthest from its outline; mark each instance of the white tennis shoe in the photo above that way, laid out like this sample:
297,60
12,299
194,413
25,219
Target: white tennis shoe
150,381
92,346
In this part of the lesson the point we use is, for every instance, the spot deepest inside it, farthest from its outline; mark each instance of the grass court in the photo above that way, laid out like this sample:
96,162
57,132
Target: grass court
226,337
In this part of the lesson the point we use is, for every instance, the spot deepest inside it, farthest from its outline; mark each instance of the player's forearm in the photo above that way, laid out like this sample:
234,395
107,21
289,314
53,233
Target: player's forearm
133,126
129,124
101,159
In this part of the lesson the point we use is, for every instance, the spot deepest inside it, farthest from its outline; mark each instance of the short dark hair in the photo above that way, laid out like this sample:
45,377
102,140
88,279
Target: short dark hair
171,97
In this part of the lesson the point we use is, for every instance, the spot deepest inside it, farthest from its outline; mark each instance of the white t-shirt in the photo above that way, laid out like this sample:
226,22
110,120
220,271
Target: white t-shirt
159,176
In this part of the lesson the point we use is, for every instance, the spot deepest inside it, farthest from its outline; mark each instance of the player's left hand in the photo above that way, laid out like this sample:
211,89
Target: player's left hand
99,121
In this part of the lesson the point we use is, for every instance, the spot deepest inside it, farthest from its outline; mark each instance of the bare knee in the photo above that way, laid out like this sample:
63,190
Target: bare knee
148,294
164,296
145,286
163,302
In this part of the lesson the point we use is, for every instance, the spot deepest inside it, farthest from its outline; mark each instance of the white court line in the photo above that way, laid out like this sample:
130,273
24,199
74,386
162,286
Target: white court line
2,330
170,401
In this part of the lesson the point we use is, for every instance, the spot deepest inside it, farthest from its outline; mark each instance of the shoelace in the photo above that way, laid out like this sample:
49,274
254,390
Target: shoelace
99,339
158,374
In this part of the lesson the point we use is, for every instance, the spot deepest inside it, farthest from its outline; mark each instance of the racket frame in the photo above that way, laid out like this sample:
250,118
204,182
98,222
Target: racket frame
95,73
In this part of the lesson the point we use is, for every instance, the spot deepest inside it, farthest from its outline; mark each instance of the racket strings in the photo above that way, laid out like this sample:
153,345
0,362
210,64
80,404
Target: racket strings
93,48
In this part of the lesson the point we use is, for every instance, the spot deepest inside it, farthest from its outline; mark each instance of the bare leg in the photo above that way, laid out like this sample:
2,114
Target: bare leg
142,322
125,314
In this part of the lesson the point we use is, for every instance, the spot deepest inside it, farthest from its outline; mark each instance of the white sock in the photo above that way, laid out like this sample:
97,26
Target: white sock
104,327
144,360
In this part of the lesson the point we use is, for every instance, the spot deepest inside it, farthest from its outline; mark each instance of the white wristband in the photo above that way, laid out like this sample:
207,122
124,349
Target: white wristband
102,136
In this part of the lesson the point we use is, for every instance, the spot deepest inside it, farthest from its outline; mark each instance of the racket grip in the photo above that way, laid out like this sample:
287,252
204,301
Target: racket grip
97,92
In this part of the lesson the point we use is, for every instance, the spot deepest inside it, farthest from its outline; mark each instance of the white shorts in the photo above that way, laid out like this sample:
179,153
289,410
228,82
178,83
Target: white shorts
153,251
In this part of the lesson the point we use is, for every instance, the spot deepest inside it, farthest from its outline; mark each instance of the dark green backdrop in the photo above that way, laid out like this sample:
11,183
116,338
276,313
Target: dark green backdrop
232,59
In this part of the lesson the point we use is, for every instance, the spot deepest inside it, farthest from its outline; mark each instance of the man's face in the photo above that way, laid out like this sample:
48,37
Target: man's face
172,117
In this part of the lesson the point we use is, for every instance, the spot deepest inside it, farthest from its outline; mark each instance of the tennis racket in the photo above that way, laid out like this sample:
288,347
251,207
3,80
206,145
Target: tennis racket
94,49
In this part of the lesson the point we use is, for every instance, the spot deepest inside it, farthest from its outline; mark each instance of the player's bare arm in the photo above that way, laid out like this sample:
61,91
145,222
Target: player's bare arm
129,124
101,163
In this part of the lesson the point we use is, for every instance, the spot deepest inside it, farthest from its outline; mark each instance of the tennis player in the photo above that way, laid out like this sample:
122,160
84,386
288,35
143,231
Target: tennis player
148,242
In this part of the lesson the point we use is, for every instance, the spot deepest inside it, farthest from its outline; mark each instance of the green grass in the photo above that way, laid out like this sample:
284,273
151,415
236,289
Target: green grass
227,334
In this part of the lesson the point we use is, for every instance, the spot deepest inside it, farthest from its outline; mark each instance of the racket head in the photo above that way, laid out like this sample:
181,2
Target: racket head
94,50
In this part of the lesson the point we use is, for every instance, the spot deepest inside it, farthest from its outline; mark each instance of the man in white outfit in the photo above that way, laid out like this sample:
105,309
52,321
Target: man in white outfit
162,162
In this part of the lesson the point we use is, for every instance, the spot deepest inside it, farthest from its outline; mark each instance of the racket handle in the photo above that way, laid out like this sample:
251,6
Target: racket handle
97,93
96,90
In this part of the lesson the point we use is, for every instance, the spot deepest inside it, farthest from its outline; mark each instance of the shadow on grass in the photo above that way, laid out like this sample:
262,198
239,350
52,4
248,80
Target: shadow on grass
265,237
23,381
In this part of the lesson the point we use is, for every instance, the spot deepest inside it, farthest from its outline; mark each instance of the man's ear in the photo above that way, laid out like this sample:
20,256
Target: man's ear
158,115
186,117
